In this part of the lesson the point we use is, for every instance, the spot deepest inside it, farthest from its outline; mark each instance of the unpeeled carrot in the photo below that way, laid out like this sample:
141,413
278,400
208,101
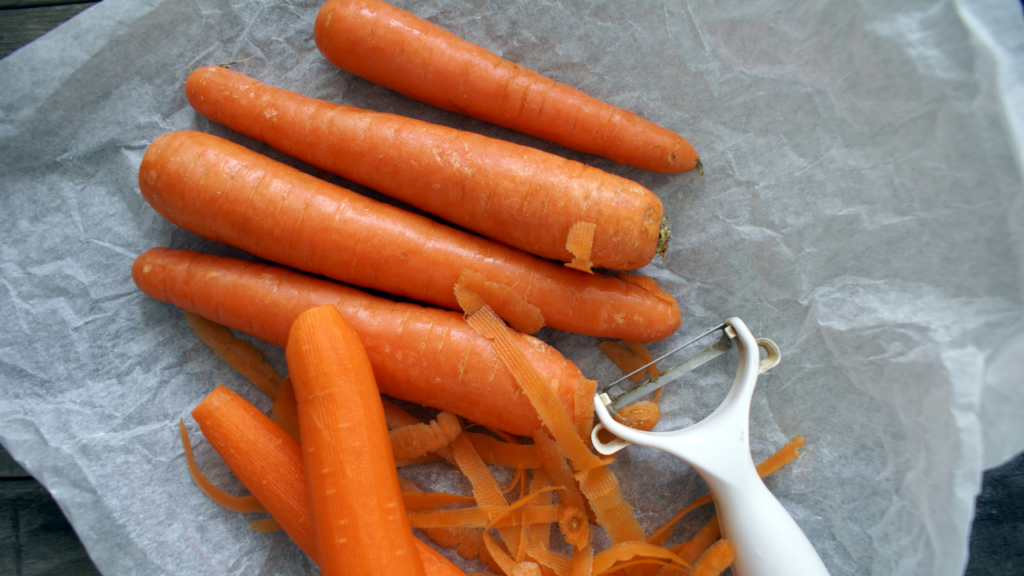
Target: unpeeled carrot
230,194
519,196
401,51
269,463
424,355
359,520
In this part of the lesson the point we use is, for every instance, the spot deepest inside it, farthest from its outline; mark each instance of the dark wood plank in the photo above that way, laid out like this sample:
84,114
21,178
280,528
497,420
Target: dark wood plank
35,538
19,26
997,535
9,468
4,4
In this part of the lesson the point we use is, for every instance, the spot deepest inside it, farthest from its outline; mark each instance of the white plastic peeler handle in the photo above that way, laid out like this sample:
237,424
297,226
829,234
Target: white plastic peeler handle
766,539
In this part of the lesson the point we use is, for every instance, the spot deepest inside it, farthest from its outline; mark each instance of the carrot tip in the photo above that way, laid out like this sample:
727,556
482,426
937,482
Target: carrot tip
700,169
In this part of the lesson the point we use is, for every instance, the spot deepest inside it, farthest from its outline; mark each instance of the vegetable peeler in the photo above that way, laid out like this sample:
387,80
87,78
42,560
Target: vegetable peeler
766,539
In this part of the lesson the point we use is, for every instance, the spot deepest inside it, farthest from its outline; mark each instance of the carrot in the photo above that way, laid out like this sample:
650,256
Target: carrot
516,195
230,194
269,463
234,503
359,521
396,49
428,356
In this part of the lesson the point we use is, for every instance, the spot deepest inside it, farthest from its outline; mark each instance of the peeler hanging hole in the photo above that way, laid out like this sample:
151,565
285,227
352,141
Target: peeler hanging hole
772,355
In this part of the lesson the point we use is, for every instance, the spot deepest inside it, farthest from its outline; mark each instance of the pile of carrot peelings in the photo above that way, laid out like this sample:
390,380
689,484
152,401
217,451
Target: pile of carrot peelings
558,463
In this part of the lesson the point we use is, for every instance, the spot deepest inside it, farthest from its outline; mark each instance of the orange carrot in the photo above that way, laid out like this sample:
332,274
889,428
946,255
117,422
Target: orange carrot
423,355
230,194
234,503
359,521
269,463
396,49
249,442
519,196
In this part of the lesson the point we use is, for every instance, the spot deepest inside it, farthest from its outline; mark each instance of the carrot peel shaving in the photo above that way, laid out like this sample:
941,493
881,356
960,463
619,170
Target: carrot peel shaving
526,569
558,563
580,243
601,488
624,551
623,357
485,489
264,526
551,411
239,354
715,560
780,458
573,524
413,441
582,561
519,314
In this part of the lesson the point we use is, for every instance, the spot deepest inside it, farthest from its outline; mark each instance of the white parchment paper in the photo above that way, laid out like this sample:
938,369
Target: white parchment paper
862,207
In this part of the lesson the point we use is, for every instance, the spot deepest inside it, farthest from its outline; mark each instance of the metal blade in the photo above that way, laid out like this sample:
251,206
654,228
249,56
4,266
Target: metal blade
691,363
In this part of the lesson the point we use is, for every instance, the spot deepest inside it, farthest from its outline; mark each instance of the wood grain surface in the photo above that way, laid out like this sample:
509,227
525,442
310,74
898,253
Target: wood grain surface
22,22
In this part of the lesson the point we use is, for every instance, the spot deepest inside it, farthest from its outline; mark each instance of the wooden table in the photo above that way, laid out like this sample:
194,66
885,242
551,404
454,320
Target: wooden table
35,538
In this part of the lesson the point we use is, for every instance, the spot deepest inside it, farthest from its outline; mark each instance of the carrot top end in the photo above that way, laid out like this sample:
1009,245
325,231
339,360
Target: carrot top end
664,235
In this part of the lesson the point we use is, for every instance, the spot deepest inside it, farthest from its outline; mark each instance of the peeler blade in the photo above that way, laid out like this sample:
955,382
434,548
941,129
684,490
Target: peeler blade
691,363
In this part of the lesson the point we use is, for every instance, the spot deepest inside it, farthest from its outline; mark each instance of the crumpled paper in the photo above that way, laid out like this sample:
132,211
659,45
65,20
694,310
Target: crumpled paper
862,206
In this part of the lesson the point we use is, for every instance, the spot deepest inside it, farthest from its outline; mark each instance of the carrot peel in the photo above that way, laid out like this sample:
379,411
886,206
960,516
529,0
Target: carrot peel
714,560
482,319
508,305
579,244
240,355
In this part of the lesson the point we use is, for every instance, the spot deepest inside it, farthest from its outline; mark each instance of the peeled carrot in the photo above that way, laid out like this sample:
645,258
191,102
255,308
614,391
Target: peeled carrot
396,49
234,503
359,520
424,355
230,194
269,463
519,196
